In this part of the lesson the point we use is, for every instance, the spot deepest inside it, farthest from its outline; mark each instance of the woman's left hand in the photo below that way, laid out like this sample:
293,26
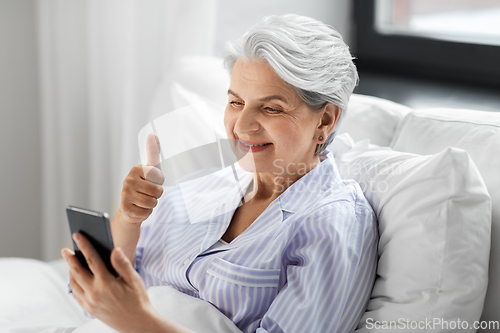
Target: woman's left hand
122,303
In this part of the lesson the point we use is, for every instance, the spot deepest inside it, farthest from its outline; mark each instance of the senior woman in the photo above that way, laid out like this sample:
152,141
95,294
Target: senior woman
299,254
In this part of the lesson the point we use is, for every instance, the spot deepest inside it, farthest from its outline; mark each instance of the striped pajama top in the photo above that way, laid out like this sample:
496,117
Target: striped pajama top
306,264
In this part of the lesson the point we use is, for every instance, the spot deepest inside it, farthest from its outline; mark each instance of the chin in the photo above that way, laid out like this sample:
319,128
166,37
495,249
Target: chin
247,163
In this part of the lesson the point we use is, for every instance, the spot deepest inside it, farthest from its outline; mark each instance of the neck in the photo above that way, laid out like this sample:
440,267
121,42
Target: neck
269,185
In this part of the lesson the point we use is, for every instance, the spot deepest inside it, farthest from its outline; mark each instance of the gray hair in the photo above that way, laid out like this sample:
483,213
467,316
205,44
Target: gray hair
307,54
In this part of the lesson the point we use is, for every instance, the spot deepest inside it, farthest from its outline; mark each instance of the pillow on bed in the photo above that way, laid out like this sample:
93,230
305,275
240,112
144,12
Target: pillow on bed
205,76
477,132
372,118
434,216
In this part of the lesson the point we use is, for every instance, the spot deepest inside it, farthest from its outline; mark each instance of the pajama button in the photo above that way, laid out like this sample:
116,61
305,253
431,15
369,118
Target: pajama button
185,262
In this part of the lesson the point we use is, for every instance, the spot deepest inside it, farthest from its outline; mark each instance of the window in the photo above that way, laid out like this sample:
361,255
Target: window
451,39
471,21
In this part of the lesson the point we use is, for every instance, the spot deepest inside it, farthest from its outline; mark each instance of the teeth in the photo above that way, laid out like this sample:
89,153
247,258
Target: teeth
264,144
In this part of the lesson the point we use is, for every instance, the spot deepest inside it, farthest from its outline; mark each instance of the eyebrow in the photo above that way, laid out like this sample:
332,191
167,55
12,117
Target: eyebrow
265,99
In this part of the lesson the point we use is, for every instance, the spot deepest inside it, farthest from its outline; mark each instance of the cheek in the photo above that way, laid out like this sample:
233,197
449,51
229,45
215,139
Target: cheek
287,132
295,135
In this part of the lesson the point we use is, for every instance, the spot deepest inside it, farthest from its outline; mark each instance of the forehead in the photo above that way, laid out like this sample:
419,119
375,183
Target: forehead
258,77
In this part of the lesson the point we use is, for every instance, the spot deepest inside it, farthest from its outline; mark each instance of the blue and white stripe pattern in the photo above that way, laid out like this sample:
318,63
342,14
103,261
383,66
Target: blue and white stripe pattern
306,264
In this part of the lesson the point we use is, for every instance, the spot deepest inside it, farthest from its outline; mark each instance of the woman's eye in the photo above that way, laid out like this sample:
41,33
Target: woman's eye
235,103
272,110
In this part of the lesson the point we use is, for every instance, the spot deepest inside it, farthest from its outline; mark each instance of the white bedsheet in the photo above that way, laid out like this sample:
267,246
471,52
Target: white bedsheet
34,298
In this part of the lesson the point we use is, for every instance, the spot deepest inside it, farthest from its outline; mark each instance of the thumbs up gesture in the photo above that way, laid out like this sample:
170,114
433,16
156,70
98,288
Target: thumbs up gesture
143,185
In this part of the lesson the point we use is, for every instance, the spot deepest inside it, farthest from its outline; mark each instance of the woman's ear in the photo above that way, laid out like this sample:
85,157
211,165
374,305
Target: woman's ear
329,117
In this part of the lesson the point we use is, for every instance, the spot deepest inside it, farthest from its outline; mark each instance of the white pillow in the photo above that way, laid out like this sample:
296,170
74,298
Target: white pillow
477,132
183,97
204,76
434,216
372,118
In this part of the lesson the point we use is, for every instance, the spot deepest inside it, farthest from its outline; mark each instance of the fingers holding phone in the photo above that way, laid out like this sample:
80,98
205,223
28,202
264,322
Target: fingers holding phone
143,185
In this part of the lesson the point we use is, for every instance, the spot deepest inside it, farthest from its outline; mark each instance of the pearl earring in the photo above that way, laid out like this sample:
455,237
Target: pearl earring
320,138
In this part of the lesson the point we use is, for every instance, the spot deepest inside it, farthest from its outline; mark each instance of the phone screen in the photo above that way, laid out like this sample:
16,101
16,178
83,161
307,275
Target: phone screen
96,227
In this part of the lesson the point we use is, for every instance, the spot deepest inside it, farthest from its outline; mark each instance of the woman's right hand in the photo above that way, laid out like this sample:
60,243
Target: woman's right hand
143,185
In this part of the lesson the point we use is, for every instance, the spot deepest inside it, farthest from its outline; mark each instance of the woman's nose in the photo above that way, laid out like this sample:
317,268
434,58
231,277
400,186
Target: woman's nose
246,122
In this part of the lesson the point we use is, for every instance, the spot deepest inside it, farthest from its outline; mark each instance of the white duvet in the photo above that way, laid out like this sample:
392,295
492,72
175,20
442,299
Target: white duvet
34,298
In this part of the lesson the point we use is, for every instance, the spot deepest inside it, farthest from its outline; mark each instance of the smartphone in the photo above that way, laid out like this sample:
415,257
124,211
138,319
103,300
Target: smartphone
96,227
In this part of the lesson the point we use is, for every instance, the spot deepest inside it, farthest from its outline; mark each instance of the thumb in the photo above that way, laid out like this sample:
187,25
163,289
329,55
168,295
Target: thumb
153,151
122,265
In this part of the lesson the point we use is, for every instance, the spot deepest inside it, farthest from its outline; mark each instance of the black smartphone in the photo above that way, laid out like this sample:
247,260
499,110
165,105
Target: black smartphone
95,227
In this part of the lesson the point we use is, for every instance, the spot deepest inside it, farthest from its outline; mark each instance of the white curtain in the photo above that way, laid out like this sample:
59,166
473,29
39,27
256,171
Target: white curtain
100,64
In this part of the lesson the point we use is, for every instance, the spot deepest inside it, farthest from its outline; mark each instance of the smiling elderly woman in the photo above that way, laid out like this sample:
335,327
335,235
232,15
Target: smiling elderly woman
299,255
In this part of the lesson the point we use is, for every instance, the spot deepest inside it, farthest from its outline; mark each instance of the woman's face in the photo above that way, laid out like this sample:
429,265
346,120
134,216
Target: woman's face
264,110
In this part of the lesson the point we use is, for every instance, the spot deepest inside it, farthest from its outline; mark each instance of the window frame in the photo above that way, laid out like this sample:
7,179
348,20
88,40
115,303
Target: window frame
421,56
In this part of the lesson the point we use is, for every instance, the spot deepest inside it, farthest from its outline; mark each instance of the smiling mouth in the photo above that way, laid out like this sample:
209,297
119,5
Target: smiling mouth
248,147
260,145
